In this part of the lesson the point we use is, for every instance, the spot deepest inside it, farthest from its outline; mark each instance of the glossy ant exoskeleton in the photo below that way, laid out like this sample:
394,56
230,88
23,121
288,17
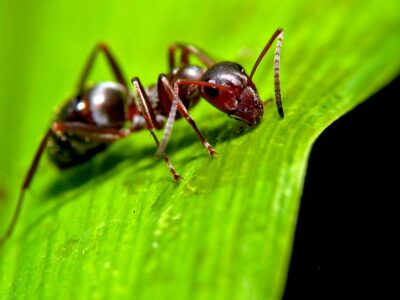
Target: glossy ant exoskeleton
105,112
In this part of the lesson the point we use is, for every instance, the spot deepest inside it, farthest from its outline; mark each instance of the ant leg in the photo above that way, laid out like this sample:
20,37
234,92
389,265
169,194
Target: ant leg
176,103
277,82
25,186
151,121
94,133
104,135
111,60
185,51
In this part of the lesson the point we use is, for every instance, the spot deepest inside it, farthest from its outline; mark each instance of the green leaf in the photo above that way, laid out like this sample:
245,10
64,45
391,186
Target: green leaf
118,226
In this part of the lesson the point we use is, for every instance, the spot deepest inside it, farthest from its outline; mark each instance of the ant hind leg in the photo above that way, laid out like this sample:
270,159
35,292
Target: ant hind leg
27,181
115,68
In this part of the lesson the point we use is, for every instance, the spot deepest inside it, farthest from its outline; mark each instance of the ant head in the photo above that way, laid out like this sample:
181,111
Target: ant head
237,95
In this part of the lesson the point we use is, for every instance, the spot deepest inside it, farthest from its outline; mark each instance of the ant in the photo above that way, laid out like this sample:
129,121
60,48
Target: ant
105,112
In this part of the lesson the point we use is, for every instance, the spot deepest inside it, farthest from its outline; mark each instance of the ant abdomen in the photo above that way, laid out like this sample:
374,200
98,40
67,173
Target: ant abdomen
103,106
68,150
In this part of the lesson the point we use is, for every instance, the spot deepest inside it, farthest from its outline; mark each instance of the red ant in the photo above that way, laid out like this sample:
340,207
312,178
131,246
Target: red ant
97,115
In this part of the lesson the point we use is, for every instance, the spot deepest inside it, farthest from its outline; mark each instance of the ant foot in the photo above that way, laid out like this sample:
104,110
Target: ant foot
177,177
210,149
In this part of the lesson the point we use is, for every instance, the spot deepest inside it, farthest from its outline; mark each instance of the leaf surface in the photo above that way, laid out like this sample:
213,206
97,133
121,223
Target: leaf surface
118,226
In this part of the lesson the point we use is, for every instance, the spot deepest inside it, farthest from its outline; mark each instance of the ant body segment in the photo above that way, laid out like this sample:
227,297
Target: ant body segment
105,112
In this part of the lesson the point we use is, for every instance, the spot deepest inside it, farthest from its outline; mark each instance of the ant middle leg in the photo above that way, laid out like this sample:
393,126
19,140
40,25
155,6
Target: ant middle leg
104,135
91,132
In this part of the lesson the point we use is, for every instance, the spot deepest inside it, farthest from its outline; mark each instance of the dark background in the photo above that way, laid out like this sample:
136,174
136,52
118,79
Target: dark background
346,231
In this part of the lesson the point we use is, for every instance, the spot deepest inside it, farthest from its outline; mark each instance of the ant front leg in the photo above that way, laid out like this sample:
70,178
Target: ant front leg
116,70
185,51
151,122
25,185
176,104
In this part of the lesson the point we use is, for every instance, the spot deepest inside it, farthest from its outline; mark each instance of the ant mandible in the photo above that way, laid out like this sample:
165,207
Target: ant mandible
98,115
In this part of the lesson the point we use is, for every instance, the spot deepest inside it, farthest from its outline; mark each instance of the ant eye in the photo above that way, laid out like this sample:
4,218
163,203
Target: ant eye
212,92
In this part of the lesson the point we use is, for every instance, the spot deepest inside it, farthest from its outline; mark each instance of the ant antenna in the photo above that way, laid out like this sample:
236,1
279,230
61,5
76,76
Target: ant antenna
277,82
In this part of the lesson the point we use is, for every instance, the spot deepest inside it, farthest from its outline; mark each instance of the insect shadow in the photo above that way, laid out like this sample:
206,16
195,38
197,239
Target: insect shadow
64,189
107,164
